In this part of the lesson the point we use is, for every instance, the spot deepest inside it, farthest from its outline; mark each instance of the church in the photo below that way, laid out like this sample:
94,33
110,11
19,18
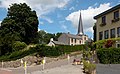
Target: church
71,39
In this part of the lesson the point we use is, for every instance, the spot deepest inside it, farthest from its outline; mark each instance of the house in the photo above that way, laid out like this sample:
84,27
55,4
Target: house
71,39
108,25
54,43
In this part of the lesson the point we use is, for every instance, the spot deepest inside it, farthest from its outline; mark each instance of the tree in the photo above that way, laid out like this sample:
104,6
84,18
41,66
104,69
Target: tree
26,21
41,36
57,35
44,37
21,24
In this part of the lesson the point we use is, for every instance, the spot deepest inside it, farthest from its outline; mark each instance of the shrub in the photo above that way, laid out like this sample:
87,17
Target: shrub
18,46
109,55
88,67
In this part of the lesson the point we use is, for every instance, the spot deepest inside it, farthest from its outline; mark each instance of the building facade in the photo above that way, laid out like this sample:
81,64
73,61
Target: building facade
71,39
108,24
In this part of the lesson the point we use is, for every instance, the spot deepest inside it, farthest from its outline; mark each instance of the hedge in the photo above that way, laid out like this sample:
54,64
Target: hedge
42,50
57,50
109,55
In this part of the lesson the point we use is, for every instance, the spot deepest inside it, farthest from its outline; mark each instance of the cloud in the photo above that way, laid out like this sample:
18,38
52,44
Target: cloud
6,3
41,23
71,8
42,7
87,16
38,29
65,28
0,23
47,19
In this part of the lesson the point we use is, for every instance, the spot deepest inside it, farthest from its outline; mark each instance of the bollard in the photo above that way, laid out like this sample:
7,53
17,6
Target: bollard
43,62
68,57
2,63
21,62
25,67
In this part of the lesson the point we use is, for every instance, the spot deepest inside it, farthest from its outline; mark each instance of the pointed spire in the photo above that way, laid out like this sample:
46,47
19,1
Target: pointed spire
80,26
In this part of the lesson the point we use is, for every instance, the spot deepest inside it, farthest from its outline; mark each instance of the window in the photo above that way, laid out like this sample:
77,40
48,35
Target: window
84,38
116,14
80,42
106,34
75,40
72,40
118,45
112,33
118,32
104,19
100,35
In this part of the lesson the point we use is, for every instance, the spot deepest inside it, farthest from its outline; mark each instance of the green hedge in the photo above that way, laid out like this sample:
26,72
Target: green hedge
17,54
57,50
42,50
109,55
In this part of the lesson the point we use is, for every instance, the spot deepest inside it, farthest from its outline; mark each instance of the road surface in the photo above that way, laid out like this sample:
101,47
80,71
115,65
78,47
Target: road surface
60,67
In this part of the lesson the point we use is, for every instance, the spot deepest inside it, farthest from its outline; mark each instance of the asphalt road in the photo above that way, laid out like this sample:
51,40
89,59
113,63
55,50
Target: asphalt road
108,69
61,65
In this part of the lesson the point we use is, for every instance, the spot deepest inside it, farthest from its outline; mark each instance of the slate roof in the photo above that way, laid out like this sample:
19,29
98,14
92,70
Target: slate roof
73,36
108,11
58,43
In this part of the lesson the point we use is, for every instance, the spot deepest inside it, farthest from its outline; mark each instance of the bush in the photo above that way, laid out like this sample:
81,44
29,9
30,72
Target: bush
109,55
42,50
49,51
18,46
88,67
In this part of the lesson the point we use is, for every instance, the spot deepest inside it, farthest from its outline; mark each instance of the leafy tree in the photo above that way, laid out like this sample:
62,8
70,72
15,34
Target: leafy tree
44,37
57,35
21,24
41,36
26,21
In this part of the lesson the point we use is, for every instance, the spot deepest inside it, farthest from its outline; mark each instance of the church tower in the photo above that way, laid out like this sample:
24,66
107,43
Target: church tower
80,26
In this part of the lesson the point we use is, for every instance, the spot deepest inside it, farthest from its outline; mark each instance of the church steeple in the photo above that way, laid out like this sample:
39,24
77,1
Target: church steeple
80,26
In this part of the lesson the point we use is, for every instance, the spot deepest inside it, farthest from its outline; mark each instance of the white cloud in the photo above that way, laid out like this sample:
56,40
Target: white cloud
87,16
71,8
38,29
65,28
41,23
47,19
6,3
42,7
0,23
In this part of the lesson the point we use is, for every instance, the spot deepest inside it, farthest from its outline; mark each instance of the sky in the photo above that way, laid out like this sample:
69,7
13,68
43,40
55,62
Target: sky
62,15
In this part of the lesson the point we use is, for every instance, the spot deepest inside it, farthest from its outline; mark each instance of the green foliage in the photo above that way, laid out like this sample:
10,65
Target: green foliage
21,24
88,67
109,55
44,38
57,50
18,46
42,50
18,54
